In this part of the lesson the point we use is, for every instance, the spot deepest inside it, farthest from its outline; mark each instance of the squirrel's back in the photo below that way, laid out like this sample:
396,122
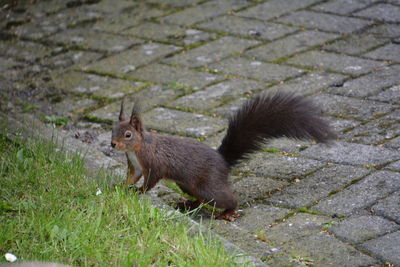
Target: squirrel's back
269,116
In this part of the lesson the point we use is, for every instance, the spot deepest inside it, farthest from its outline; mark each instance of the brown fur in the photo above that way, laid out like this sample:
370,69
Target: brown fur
202,171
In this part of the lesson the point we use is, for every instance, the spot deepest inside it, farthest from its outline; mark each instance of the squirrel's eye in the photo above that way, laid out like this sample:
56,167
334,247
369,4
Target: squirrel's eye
128,134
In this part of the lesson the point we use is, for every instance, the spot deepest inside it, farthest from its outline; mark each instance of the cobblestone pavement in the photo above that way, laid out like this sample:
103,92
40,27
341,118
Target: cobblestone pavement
191,63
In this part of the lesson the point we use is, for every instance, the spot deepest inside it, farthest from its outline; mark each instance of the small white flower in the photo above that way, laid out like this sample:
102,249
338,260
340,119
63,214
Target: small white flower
10,257
98,192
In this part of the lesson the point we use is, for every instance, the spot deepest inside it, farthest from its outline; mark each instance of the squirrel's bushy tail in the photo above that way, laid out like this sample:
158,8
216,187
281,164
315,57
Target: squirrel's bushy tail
270,116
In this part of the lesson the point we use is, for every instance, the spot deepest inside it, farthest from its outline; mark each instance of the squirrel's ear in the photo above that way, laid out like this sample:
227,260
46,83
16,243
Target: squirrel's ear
121,112
135,121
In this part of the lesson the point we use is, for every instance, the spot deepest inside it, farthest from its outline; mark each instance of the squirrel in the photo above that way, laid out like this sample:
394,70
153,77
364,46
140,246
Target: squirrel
202,171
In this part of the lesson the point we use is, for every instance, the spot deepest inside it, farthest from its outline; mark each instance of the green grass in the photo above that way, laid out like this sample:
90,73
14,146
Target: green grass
49,211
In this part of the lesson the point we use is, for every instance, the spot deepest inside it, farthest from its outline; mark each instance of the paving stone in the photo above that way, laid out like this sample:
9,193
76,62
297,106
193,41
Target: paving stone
375,131
70,106
316,186
229,108
101,86
385,30
216,94
356,44
339,125
260,217
176,3
148,98
89,39
343,7
121,6
385,12
393,144
287,145
360,228
7,63
389,52
310,83
255,69
335,62
165,74
127,18
360,195
386,248
242,239
211,52
290,45
274,8
277,166
251,188
22,50
204,11
169,33
184,123
370,84
247,27
127,61
67,18
324,250
351,153
391,95
325,22
301,224
389,207
71,58
350,107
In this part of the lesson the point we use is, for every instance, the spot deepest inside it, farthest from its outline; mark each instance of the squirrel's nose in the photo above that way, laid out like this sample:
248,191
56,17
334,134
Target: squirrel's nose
113,144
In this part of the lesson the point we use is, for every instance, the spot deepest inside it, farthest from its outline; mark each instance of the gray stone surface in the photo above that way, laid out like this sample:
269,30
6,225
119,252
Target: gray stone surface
127,61
204,11
316,186
385,30
260,217
274,8
278,166
248,27
375,131
255,69
356,44
358,229
310,83
165,74
386,248
343,7
183,123
169,33
27,51
369,84
335,62
391,95
325,22
347,107
71,58
351,153
216,94
290,45
211,52
389,207
94,40
390,52
299,225
385,12
91,84
324,250
360,195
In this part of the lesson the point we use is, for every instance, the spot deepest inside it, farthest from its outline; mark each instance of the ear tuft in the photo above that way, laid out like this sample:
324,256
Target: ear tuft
121,112
135,120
